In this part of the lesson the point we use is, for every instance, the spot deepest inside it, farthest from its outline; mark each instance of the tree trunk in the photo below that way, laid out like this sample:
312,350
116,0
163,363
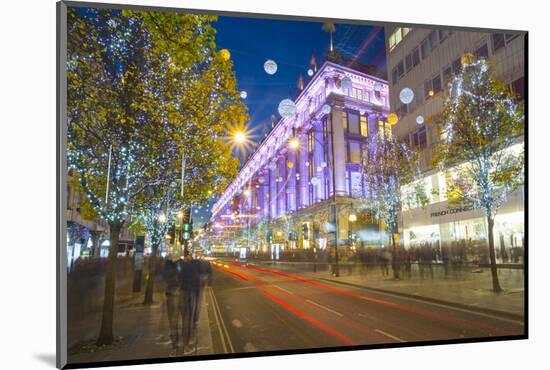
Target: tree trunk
151,276
95,243
494,274
106,332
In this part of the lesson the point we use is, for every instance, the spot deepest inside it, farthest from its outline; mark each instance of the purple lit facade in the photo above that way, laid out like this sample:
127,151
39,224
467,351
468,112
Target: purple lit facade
280,182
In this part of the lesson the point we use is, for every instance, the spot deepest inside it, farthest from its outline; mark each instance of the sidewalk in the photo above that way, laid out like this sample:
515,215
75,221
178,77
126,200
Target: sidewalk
469,287
142,333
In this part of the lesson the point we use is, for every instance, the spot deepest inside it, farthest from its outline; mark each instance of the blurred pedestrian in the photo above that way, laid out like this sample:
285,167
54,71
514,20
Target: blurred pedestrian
170,277
190,283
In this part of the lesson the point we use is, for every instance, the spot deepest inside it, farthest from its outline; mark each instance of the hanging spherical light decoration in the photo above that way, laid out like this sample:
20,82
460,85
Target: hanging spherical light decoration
420,119
287,108
244,94
377,86
310,72
314,181
392,118
406,95
270,67
290,164
225,54
326,109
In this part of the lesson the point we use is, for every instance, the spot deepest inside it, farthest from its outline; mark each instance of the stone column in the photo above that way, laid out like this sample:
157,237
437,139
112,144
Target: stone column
339,165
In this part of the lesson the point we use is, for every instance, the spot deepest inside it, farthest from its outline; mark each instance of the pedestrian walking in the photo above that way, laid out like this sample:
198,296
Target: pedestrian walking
170,277
189,302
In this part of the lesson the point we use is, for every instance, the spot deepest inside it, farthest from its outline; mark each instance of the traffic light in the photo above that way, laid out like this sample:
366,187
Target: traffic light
293,235
270,236
305,231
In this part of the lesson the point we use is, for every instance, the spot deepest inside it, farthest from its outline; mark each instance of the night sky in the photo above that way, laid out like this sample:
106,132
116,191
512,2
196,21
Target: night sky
290,44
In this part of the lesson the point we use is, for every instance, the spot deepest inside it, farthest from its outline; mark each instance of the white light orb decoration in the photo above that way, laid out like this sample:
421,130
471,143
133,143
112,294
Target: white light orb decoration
406,95
261,179
310,72
346,83
377,86
244,94
270,67
287,108
420,119
326,109
314,181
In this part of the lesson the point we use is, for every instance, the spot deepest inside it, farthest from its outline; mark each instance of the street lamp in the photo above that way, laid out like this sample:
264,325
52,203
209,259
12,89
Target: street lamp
239,137
294,143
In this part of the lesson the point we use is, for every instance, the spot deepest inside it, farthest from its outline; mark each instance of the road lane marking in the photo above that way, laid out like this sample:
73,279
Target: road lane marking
389,335
228,346
283,289
325,308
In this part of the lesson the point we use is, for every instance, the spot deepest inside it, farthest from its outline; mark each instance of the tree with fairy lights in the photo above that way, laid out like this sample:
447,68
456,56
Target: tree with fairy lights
482,148
140,95
392,180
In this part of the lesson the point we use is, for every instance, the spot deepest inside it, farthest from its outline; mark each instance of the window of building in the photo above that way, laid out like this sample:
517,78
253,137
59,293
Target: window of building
422,143
436,84
400,69
394,77
396,37
366,96
412,59
345,121
482,51
364,126
443,34
353,122
354,152
447,75
518,88
310,143
429,44
498,41
457,66
325,128
510,36
356,93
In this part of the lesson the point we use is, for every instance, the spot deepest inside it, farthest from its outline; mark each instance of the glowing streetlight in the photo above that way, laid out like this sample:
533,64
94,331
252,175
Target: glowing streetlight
294,143
246,192
352,217
239,137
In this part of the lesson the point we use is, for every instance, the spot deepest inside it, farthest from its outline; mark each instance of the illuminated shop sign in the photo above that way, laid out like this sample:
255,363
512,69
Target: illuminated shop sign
452,211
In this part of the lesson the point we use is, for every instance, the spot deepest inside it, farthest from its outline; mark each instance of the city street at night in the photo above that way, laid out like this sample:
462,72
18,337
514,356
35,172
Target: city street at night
315,185
265,309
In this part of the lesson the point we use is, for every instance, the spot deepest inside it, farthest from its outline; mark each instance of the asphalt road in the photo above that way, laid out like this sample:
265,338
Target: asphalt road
262,309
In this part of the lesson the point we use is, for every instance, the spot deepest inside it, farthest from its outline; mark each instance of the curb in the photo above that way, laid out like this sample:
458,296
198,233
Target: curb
508,315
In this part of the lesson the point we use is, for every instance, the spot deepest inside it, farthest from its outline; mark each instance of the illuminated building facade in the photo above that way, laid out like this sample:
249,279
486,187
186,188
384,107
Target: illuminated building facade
425,60
282,195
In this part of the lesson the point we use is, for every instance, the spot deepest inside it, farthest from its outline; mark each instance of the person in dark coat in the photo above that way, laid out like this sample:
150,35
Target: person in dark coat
170,277
190,284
